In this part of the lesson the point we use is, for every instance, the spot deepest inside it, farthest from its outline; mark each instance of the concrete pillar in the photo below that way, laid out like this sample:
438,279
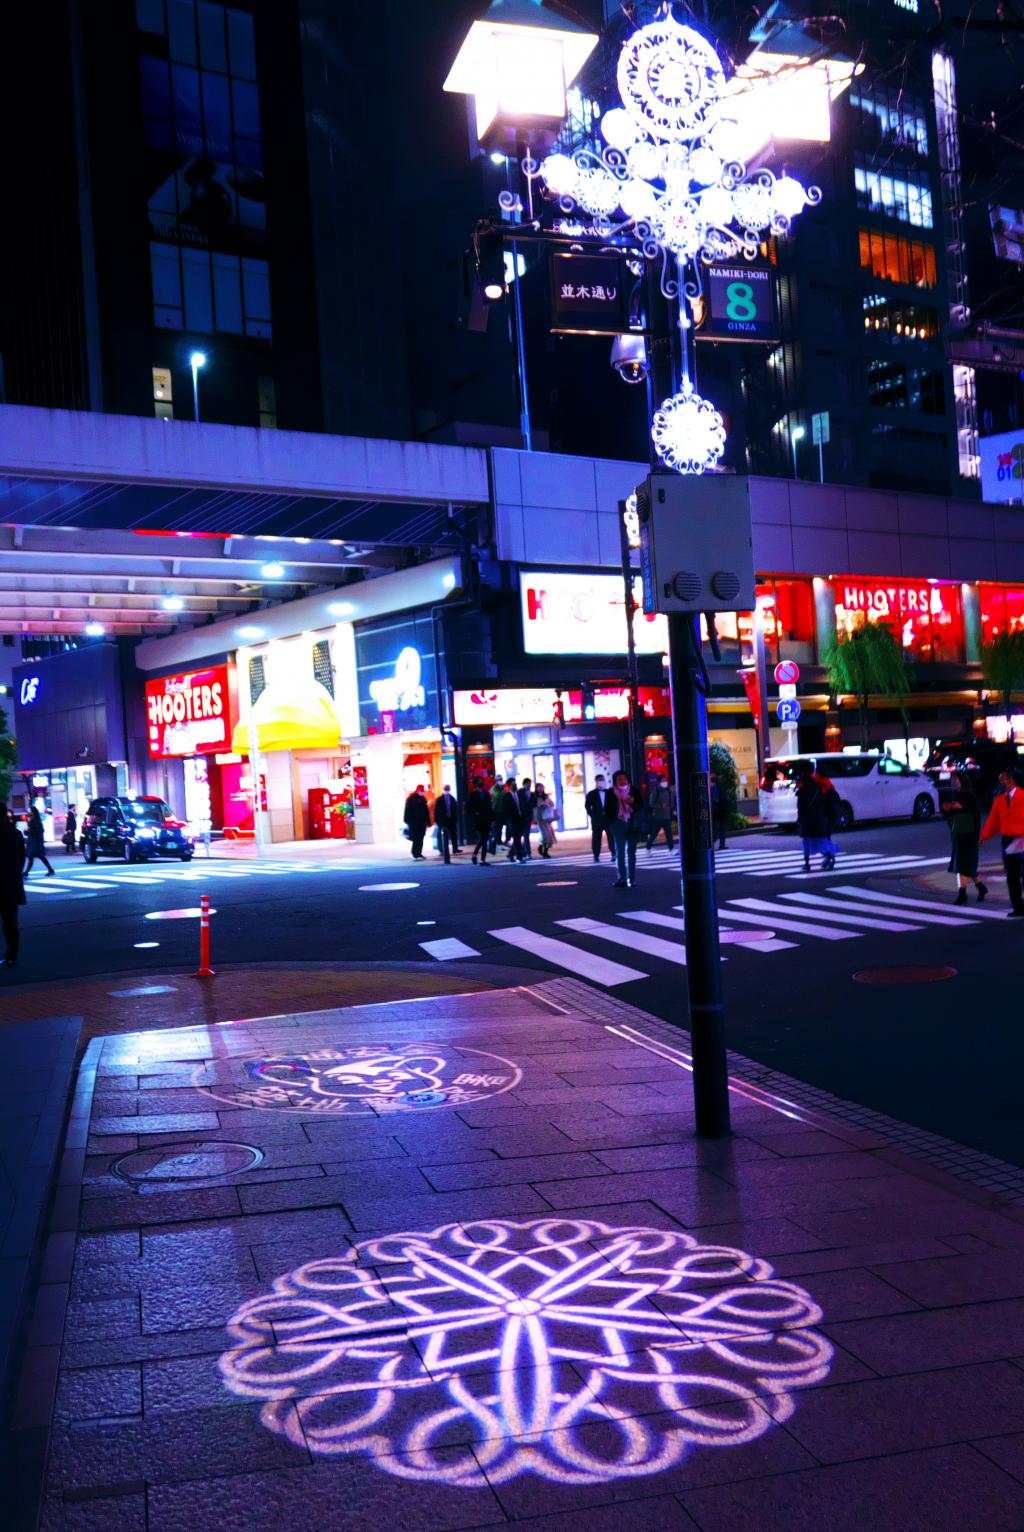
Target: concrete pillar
824,614
972,622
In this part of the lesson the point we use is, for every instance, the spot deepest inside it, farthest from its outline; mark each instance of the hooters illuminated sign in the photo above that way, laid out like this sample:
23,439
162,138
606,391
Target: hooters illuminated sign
190,714
892,598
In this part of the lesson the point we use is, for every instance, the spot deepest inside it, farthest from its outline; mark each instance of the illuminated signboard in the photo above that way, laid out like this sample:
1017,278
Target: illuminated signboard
524,705
926,616
584,614
739,303
189,714
1002,466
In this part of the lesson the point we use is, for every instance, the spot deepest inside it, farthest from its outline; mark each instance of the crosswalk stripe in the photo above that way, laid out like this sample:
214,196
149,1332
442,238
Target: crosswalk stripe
784,923
447,948
914,906
585,965
869,917
848,865
70,883
35,886
757,941
637,941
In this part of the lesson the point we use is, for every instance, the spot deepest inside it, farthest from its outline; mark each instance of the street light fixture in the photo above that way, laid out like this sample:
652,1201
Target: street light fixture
173,604
195,361
796,435
94,630
272,571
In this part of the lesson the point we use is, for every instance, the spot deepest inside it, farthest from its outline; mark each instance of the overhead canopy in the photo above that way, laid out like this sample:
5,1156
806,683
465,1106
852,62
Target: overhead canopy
290,720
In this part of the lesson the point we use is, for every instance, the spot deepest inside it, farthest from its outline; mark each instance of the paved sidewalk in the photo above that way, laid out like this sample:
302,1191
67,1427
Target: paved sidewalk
459,1261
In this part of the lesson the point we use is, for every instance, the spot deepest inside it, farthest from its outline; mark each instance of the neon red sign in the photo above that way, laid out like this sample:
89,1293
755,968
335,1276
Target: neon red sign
189,714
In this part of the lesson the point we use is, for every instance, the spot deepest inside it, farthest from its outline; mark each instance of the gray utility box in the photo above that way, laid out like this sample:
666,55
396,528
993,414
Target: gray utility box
696,550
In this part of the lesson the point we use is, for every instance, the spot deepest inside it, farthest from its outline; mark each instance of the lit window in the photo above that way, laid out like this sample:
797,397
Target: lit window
163,393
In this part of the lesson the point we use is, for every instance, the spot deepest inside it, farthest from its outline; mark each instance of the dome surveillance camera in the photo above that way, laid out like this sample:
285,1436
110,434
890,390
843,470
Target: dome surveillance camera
629,358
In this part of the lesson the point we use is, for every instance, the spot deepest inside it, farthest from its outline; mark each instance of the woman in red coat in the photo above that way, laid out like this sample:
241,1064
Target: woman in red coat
1006,819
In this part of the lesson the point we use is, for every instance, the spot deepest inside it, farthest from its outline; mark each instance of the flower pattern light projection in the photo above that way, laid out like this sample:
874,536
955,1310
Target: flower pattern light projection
563,1348
671,171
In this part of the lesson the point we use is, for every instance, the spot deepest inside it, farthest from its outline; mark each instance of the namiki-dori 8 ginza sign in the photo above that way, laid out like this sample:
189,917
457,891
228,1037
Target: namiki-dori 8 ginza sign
189,714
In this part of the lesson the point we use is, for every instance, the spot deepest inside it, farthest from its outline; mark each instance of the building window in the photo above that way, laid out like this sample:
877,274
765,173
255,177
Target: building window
890,319
904,195
787,617
893,386
1002,610
163,393
890,119
209,292
893,258
267,398
926,616
323,670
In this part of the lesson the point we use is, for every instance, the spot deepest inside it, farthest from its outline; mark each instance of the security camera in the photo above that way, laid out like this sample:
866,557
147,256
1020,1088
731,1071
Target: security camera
629,358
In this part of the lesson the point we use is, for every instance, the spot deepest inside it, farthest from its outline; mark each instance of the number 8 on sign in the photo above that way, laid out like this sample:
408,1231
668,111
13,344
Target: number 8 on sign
740,303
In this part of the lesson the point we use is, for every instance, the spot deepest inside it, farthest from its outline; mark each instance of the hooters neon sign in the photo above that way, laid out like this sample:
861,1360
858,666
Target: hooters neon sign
189,714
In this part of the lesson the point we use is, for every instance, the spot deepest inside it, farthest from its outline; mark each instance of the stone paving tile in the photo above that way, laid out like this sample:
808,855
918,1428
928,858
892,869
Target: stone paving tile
412,1213
869,1419
93,1318
925,1491
689,1184
105,1513
340,1494
126,1349
403,1182
100,1392
820,1167
194,1306
1007,1451
182,1122
855,1294
248,1229
813,1141
508,1172
912,1249
933,1338
129,1211
636,1515
958,1279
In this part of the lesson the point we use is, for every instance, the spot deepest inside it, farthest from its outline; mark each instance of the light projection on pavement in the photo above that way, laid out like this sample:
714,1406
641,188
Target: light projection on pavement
373,1079
563,1348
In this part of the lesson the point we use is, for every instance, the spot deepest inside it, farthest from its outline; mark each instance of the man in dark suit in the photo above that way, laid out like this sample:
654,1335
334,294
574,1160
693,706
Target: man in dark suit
594,805
446,822
527,808
12,886
417,820
510,816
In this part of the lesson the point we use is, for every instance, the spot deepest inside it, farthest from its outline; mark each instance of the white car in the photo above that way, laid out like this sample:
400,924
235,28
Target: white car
870,786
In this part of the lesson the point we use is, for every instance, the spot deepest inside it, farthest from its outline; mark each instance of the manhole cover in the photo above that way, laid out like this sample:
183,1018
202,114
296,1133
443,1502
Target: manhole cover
909,973
205,1160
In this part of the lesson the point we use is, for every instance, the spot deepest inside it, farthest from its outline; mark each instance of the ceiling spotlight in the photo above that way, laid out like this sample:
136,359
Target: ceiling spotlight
448,581
341,609
273,571
173,604
94,630
250,631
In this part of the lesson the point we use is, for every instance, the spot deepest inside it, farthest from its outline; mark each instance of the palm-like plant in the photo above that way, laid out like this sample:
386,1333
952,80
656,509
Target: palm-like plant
1002,665
870,659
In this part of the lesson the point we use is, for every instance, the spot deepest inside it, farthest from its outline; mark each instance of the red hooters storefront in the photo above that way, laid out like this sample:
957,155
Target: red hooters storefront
190,718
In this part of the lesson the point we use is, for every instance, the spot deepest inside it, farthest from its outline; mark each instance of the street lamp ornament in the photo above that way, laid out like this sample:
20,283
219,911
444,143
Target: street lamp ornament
671,172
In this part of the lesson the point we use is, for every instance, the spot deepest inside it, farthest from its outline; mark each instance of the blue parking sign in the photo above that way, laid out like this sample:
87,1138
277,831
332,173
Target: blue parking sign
788,711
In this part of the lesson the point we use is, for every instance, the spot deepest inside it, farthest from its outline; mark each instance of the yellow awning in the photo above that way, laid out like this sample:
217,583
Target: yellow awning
292,720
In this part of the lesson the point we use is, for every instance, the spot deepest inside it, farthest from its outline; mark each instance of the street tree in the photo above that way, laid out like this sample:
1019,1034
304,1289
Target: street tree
1002,665
8,757
870,659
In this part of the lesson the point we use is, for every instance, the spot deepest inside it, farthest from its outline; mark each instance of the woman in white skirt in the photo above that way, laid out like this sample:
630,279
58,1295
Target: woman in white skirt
545,816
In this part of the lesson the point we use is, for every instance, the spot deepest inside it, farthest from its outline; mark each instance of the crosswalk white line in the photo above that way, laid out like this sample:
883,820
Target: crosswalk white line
784,923
636,941
853,865
69,883
37,886
585,965
969,914
757,941
871,918
447,948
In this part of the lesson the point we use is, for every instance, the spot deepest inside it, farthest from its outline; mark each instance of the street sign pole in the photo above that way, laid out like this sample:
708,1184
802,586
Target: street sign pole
633,722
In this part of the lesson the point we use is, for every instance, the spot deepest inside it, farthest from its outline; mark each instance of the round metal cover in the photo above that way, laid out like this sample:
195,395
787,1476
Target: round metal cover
686,586
725,584
204,1160
909,973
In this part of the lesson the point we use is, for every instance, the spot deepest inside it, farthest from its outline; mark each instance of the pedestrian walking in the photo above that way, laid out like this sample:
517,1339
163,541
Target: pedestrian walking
661,805
12,887
719,811
417,820
527,808
833,816
510,817
1006,819
963,815
497,793
546,812
480,817
593,803
811,821
446,823
36,842
623,817
70,836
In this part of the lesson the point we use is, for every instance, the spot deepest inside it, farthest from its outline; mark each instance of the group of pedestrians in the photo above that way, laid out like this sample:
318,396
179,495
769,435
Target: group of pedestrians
968,827
503,816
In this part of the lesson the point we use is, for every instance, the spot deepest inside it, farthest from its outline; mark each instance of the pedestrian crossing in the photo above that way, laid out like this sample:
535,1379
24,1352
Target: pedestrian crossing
748,927
782,861
97,878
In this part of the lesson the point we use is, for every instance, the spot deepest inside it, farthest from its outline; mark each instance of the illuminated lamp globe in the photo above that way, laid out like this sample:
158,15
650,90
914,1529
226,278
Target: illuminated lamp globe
688,433
644,160
638,201
726,139
561,175
753,205
679,228
788,197
716,207
598,192
618,128
705,165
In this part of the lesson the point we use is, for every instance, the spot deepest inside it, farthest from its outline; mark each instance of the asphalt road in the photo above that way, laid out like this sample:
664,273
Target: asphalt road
945,1055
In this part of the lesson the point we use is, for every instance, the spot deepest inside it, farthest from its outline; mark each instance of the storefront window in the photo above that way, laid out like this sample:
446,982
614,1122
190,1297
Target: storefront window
787,613
928,616
1002,610
735,634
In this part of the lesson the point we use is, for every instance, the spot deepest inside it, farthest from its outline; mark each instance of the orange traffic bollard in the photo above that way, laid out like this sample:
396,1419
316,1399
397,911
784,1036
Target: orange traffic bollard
204,971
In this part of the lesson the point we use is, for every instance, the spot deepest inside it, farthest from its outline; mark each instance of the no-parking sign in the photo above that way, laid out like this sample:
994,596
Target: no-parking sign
787,672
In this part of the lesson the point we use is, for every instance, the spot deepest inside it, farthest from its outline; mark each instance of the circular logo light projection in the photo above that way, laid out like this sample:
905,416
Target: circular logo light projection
564,1348
372,1080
